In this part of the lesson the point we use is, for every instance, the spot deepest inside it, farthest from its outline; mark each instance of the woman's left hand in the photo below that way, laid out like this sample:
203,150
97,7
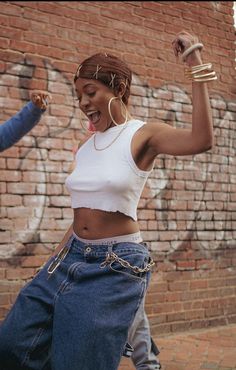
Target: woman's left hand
184,41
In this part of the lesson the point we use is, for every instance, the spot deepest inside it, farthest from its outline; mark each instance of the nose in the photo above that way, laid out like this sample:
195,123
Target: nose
84,101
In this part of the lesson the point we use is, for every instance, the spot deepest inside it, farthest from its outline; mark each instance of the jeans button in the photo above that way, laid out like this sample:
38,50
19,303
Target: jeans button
88,249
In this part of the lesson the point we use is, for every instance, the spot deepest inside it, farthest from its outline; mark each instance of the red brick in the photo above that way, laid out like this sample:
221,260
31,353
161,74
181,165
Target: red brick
188,216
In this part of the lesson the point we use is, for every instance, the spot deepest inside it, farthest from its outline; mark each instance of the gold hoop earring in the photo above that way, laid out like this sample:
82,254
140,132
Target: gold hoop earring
122,106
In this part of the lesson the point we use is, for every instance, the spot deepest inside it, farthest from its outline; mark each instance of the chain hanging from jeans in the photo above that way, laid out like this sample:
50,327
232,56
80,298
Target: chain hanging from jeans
112,257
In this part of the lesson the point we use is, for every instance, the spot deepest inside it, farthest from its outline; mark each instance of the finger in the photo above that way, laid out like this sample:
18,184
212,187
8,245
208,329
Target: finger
36,98
44,102
48,97
175,49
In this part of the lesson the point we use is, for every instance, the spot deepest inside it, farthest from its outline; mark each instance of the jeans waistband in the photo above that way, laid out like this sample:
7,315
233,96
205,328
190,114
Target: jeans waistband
129,238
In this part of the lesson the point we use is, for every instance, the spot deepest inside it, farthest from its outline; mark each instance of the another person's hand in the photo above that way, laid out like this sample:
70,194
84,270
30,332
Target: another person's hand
188,46
41,99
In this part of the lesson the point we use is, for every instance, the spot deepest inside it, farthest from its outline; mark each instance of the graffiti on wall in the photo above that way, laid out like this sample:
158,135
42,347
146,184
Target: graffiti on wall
207,179
181,191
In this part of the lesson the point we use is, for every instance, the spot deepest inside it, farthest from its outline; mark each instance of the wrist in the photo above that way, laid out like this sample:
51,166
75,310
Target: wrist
34,108
200,73
194,59
192,54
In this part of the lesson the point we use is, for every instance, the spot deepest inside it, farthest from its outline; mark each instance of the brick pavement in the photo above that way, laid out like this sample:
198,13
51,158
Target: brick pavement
205,349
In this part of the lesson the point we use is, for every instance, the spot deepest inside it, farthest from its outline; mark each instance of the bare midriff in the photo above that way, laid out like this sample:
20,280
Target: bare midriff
97,224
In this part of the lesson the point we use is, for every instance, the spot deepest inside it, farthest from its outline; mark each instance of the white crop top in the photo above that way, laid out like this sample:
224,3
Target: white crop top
109,179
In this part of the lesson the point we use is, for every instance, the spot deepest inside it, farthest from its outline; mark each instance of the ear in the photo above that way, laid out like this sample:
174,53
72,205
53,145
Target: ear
121,89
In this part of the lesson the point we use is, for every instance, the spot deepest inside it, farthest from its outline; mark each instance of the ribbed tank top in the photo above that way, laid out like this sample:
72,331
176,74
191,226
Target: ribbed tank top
109,179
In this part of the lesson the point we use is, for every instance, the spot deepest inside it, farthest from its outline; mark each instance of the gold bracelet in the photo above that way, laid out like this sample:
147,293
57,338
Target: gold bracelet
195,73
205,79
200,66
197,69
196,77
198,45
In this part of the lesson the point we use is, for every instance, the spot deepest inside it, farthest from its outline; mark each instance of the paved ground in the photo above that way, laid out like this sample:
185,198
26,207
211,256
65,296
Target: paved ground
212,349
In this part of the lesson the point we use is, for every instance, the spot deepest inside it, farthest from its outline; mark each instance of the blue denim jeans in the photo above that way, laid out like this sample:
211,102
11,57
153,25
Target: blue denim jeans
76,318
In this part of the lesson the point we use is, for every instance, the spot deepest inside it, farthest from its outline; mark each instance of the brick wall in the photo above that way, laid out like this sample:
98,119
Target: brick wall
187,211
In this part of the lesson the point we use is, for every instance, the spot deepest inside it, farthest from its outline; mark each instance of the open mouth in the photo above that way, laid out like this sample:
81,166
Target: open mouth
94,117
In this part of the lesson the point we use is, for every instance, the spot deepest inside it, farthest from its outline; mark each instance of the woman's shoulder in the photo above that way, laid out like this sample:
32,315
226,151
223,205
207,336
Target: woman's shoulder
135,124
151,125
147,129
145,124
136,121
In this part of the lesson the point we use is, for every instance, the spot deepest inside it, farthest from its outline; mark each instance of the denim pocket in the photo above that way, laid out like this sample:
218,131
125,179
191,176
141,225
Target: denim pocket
133,265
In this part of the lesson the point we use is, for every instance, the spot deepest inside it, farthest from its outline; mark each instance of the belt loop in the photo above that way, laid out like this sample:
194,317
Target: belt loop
109,249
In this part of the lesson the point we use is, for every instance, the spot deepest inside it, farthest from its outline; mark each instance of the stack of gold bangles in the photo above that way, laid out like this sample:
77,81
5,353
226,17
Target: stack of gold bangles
200,73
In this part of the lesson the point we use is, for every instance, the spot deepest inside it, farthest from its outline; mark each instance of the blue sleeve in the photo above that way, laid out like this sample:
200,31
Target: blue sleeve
20,124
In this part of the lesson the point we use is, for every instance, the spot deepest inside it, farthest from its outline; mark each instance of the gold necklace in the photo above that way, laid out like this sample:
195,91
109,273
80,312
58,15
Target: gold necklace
100,149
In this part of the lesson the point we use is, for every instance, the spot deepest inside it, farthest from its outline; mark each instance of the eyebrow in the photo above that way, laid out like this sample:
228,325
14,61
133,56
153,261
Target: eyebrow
86,85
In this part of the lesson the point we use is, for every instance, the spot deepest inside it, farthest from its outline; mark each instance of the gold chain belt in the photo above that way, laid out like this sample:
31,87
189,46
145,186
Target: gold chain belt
112,257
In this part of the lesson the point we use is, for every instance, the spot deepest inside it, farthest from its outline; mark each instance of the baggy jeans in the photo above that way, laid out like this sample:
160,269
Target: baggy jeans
76,318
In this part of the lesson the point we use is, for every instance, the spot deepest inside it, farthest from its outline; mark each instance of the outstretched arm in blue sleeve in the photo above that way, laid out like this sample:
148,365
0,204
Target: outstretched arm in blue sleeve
22,122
